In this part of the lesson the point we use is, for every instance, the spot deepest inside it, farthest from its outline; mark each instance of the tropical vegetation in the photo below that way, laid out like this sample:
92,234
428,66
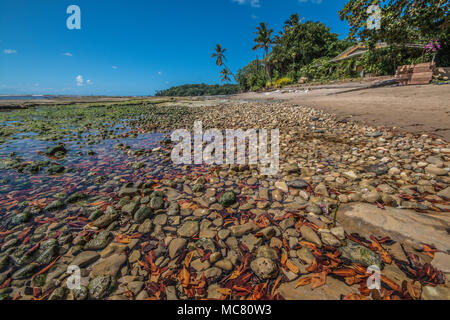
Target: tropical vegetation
412,31
199,90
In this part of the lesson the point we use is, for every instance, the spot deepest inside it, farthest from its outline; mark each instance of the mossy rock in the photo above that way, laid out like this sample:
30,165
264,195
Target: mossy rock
228,199
55,169
55,205
361,254
101,287
157,203
100,241
39,280
23,217
198,187
56,150
25,272
142,214
75,197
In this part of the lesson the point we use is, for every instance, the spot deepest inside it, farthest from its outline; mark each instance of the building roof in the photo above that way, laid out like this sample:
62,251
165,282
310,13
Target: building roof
359,49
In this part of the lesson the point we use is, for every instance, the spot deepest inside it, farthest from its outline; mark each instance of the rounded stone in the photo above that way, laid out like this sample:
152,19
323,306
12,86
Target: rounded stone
264,268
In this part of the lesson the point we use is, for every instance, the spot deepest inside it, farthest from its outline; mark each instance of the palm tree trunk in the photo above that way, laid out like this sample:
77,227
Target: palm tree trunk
266,53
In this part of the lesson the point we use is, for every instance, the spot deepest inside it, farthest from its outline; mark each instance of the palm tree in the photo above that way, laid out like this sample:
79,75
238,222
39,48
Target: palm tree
263,41
219,54
263,38
225,75
293,20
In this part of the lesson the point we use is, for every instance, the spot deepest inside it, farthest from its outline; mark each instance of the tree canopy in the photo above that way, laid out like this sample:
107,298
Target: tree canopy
401,21
199,90
297,45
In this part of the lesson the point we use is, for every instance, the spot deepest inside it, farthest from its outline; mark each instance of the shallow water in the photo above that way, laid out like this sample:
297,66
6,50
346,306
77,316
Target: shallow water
84,170
24,97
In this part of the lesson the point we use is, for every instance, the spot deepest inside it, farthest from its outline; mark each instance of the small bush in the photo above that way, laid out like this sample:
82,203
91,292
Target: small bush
282,82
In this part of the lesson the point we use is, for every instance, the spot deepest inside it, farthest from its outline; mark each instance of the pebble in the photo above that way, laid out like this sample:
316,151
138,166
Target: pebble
309,235
264,268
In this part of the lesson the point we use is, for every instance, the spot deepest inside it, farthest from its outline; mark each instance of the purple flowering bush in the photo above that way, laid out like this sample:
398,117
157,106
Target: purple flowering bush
433,46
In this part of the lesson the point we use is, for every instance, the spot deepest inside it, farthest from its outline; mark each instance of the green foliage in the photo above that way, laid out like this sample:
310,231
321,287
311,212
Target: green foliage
386,60
199,90
264,41
298,45
305,49
324,69
263,38
252,77
402,22
301,43
279,83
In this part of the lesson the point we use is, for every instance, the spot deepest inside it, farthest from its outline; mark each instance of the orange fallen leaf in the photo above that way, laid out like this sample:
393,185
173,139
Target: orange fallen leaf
236,273
98,203
275,285
291,266
344,272
224,291
429,251
188,258
312,267
318,279
391,284
126,239
46,268
284,258
303,282
184,277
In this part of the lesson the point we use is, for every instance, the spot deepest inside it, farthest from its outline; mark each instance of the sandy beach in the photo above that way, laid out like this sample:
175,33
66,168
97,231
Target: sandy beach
414,109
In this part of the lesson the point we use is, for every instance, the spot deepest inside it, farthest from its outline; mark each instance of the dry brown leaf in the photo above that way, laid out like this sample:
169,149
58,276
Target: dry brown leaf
318,280
284,258
414,290
184,277
345,272
291,266
224,291
188,258
303,282
391,284
275,285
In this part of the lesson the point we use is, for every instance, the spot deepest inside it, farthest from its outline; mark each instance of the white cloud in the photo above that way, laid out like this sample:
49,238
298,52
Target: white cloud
253,3
254,17
9,51
80,81
114,67
68,54
312,1
160,73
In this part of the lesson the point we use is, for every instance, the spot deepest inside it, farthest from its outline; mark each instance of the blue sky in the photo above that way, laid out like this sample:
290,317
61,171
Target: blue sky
135,47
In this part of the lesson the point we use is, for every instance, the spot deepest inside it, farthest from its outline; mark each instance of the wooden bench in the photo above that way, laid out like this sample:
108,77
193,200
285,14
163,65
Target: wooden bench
421,73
